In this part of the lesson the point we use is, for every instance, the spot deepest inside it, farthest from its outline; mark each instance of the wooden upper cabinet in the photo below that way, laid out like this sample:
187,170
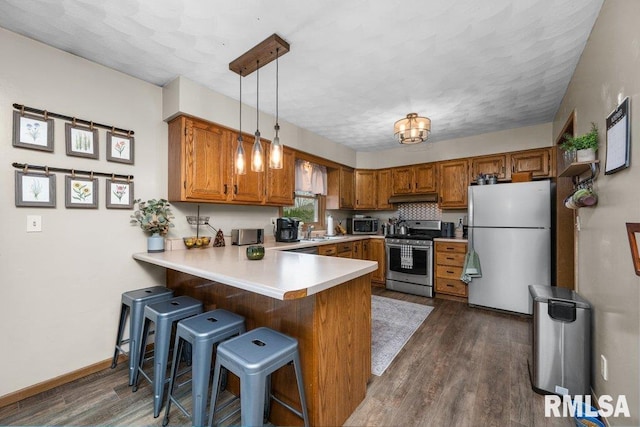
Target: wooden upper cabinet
281,184
248,188
341,192
366,185
490,165
415,179
424,176
537,161
384,189
198,160
453,178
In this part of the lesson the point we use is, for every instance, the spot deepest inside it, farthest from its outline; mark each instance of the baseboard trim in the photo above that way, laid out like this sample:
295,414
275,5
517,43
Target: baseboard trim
26,392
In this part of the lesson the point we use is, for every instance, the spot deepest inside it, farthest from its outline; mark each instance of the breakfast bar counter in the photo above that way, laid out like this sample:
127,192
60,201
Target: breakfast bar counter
323,302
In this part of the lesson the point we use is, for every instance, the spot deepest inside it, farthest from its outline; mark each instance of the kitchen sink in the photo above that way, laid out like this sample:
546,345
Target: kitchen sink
322,238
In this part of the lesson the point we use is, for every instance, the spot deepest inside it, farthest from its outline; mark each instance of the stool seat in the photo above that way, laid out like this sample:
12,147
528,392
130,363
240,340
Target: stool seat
163,314
132,304
203,331
253,357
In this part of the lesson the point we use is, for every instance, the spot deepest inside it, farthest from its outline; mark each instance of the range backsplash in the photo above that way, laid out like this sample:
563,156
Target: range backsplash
413,211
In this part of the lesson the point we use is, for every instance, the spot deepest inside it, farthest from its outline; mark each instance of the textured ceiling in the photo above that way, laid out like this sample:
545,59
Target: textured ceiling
355,66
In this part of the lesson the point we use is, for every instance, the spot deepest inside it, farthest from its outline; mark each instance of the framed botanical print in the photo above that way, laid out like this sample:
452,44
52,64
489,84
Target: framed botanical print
33,132
80,192
81,141
120,148
35,190
119,194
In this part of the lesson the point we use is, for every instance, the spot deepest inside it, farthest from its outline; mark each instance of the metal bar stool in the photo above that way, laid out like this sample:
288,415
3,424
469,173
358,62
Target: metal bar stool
164,314
203,332
253,357
133,303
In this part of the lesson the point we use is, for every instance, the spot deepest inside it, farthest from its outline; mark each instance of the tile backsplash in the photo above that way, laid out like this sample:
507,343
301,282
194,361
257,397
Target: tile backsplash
413,211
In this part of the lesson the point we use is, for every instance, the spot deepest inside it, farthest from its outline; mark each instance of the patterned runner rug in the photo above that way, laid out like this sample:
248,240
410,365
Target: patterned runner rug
394,322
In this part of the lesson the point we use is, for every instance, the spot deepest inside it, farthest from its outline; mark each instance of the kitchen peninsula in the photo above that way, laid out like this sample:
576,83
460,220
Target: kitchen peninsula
324,302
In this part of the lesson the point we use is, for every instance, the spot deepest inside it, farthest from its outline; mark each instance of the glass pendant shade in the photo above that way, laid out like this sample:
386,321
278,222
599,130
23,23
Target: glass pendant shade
412,129
257,155
275,152
239,160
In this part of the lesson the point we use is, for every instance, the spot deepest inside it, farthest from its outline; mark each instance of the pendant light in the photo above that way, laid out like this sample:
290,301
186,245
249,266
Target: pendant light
239,160
275,152
257,153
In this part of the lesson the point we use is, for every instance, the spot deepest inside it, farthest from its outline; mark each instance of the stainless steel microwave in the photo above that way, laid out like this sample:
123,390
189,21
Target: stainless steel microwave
366,225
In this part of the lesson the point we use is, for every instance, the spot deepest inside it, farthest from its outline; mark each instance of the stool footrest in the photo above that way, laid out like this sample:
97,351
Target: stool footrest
289,407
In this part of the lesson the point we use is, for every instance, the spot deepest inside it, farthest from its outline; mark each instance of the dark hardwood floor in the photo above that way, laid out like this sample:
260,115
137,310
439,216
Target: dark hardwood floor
463,367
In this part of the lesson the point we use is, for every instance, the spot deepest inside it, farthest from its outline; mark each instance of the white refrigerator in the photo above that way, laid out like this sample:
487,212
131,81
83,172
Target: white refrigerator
510,230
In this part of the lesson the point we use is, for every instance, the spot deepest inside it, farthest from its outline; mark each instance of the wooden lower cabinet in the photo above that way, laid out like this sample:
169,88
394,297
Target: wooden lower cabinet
357,253
328,250
345,250
373,250
449,263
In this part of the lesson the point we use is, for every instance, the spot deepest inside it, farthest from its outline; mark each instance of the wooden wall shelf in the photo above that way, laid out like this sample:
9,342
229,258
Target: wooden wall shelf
578,168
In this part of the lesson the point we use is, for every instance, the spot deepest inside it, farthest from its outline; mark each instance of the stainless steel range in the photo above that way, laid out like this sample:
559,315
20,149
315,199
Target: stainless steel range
410,258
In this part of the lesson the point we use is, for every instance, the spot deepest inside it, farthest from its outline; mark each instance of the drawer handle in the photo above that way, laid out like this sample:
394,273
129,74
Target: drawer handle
450,272
450,258
449,285
449,248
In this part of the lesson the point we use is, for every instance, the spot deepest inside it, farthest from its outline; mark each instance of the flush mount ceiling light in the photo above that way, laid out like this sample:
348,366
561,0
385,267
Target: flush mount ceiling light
259,56
413,129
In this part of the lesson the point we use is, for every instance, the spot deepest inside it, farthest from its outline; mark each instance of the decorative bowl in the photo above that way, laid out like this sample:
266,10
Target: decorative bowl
196,242
255,252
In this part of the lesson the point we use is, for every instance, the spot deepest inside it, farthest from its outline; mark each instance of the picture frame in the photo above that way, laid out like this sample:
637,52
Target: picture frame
35,190
32,132
81,192
618,138
119,194
81,141
633,228
120,148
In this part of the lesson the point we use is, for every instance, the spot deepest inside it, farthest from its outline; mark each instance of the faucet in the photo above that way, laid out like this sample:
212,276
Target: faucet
309,230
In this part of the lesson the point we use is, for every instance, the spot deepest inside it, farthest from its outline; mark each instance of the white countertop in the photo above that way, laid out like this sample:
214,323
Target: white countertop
281,275
449,239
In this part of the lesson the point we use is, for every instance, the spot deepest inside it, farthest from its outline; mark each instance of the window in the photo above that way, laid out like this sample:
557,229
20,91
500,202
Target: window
307,207
311,189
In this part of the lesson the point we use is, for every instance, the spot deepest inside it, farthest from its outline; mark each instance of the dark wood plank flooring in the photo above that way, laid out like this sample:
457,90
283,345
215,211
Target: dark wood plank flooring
463,367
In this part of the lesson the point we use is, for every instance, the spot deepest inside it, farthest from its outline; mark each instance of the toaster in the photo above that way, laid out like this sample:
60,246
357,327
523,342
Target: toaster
247,236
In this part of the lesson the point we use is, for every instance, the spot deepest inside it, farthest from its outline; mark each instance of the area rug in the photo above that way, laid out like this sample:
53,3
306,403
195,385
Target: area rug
393,323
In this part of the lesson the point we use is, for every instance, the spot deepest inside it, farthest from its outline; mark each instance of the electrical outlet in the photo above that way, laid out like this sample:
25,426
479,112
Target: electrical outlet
604,369
34,223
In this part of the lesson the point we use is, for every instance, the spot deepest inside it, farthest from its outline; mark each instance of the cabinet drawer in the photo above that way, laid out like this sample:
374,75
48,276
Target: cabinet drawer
451,247
451,287
327,250
344,247
448,272
453,258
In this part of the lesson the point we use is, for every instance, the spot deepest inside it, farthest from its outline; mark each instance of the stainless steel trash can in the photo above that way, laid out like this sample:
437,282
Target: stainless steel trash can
560,361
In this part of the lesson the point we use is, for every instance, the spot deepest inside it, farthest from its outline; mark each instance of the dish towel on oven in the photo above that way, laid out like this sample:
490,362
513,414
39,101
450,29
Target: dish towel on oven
406,256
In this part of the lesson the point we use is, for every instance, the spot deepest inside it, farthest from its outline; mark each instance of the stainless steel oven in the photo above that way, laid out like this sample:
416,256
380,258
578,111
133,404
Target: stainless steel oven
410,258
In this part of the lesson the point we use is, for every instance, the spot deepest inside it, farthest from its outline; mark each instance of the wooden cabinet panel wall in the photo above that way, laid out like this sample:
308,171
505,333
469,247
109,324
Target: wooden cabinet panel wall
201,167
415,179
490,165
374,251
536,161
341,188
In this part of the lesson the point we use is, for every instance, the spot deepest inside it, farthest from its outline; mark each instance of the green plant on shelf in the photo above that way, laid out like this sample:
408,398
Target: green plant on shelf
582,142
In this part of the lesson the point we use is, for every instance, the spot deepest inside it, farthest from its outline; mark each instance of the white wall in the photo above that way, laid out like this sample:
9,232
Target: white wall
608,72
478,145
61,288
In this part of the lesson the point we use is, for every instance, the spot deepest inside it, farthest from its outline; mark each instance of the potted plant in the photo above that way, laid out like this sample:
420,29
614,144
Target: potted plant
154,217
584,146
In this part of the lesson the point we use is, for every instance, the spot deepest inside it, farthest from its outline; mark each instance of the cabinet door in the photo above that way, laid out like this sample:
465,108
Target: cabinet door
357,251
425,178
402,180
384,189
280,183
347,188
489,165
250,186
377,253
365,189
205,162
536,161
454,180
327,250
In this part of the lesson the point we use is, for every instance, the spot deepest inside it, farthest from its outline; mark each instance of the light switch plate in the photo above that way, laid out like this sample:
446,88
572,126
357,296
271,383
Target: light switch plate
34,223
